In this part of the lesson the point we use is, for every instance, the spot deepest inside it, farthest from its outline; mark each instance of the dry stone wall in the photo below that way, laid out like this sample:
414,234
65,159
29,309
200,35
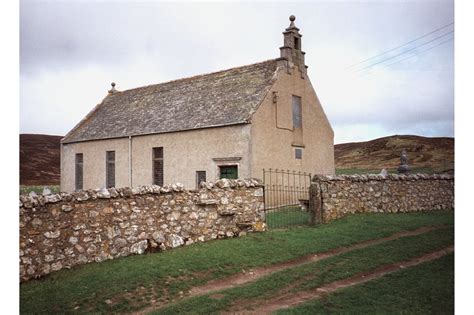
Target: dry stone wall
63,230
338,196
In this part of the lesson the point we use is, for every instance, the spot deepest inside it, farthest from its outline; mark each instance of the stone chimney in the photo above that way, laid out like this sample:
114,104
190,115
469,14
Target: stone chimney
291,50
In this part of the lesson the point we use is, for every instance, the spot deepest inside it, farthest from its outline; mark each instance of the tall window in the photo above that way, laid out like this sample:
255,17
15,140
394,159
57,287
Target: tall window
79,171
200,177
158,166
110,169
297,112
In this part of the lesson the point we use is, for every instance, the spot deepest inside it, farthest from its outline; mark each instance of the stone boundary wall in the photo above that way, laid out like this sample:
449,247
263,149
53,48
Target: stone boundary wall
63,230
337,196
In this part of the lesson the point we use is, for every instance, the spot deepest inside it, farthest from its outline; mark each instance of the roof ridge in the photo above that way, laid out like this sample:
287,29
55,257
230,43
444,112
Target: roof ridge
243,87
201,75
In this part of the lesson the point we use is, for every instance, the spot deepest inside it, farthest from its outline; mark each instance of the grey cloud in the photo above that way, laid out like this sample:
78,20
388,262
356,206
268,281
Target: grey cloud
69,34
139,43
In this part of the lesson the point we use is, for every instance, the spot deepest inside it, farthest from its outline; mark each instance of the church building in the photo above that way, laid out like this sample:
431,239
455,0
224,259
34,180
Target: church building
227,124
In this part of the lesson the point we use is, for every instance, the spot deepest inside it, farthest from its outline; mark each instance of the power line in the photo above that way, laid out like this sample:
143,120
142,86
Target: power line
420,52
404,52
407,43
414,55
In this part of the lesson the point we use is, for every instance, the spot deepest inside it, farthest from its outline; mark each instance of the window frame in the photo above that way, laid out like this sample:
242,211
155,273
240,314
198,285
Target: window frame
236,166
297,111
300,150
158,160
198,182
109,167
79,171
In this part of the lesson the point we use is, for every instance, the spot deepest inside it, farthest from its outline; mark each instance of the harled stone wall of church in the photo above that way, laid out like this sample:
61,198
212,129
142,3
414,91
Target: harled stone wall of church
63,230
184,153
94,153
275,140
337,196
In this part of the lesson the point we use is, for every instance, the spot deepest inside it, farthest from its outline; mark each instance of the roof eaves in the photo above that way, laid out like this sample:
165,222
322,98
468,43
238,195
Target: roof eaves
244,122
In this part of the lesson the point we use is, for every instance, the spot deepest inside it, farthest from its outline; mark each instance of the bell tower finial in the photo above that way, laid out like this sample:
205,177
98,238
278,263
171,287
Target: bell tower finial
292,24
291,49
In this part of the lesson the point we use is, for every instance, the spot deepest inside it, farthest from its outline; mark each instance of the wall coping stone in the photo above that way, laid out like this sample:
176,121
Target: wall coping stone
33,200
377,177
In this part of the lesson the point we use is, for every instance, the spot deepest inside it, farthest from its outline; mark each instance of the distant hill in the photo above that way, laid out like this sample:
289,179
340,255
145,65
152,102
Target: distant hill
436,154
39,159
40,155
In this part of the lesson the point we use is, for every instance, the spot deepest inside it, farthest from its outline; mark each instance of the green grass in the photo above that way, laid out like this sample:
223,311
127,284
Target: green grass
424,289
314,274
170,272
286,217
38,189
354,171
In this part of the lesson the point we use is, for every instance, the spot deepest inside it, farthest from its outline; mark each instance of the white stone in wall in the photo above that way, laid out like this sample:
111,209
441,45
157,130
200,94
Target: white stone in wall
103,193
175,240
139,248
51,234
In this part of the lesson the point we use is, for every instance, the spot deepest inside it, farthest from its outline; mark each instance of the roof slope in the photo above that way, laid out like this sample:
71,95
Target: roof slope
216,99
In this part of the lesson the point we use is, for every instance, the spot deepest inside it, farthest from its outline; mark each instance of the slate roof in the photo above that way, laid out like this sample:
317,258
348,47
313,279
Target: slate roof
217,99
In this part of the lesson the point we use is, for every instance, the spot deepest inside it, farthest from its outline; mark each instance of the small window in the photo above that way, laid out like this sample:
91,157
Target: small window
158,166
79,171
110,169
297,112
200,177
297,43
298,154
229,171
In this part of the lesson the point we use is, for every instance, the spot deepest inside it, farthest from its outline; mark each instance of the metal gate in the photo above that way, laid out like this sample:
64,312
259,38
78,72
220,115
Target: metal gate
287,201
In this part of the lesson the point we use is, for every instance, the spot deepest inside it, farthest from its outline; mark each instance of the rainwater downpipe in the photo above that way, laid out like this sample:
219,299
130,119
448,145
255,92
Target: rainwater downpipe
130,159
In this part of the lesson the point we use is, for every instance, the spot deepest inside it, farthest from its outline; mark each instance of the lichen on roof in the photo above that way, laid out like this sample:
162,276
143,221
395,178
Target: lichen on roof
217,99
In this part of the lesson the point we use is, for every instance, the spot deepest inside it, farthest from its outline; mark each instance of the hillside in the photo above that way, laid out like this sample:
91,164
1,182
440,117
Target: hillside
39,159
436,154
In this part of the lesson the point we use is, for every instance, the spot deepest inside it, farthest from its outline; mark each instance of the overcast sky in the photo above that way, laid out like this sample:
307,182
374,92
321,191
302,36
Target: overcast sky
71,51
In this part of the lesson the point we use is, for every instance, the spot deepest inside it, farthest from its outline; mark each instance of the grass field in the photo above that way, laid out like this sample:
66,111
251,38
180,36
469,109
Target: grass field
411,291
287,217
131,283
354,171
312,275
37,189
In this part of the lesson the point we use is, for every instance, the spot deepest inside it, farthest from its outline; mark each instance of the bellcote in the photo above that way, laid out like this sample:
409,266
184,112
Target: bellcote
291,49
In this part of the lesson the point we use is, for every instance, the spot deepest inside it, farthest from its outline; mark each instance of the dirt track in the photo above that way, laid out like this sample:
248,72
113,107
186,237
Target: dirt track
289,300
293,299
254,274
